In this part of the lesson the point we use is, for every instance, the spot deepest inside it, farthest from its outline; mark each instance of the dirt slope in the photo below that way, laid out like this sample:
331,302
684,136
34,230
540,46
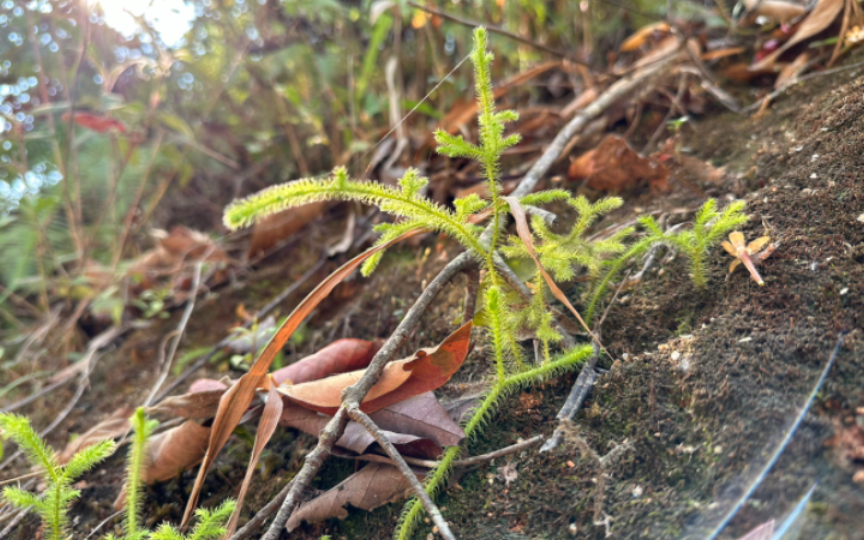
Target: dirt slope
703,383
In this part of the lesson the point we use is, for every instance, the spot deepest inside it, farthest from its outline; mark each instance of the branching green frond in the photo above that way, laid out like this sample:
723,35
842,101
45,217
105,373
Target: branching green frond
732,217
545,197
88,458
709,227
166,532
497,320
18,428
405,202
706,213
23,499
560,254
468,205
53,505
211,523
414,509
456,147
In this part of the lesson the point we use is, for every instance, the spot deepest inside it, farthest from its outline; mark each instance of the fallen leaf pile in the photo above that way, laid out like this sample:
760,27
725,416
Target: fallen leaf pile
402,404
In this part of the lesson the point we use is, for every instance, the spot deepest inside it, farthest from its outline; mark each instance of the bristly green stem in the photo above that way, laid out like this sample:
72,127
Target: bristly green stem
499,391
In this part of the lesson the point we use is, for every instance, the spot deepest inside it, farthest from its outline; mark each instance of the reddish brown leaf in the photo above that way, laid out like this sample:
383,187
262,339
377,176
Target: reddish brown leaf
200,402
375,485
95,122
340,356
421,415
429,369
613,166
114,426
325,395
237,399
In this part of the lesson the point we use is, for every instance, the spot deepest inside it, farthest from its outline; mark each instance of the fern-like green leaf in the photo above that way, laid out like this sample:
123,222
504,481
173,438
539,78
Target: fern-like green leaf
88,458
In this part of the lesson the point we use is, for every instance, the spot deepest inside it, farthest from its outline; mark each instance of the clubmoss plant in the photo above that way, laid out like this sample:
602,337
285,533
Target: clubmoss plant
211,523
709,228
53,505
562,255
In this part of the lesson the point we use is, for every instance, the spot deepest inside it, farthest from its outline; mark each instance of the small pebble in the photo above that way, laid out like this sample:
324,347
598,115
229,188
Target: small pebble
718,449
675,356
813,176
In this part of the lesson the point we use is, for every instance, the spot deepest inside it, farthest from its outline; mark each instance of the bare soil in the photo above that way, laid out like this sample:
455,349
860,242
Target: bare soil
701,385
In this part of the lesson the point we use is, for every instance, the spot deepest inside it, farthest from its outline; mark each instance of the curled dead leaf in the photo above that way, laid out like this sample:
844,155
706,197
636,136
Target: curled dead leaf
614,166
375,485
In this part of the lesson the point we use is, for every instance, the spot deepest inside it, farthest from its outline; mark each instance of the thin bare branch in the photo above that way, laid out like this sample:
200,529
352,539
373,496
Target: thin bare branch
355,394
435,514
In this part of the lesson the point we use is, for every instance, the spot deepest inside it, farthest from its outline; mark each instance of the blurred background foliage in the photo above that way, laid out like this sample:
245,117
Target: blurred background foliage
255,92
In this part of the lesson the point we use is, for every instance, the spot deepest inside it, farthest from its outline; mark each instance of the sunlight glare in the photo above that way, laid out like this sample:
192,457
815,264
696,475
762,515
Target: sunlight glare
170,18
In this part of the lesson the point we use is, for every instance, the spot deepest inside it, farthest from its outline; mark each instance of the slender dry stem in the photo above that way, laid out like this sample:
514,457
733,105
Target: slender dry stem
361,418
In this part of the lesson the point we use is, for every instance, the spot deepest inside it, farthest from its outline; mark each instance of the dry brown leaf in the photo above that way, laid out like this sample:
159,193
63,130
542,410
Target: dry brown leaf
114,426
266,427
820,18
721,53
375,485
613,166
638,38
237,399
688,169
426,370
405,424
172,452
325,394
269,231
421,415
200,402
340,356
181,245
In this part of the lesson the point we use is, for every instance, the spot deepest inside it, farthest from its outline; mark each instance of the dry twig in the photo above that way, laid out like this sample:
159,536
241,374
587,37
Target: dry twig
353,395
361,418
